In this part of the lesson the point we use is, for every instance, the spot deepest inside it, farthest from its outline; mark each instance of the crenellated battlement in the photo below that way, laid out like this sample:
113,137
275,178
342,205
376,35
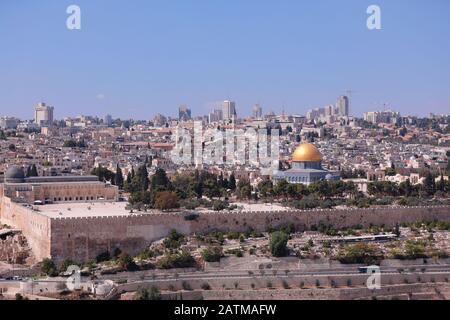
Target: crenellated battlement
161,214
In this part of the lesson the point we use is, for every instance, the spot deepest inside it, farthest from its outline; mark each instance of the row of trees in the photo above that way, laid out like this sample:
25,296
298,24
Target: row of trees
427,189
322,189
162,193
74,144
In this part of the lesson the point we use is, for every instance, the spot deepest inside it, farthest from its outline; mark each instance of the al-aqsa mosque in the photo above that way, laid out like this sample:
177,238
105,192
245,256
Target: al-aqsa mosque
306,167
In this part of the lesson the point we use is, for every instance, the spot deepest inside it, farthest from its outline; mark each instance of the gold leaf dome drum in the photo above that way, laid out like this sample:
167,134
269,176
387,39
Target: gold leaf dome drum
306,152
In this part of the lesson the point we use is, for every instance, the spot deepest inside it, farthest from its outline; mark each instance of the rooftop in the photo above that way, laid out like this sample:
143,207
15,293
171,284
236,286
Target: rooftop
117,209
81,210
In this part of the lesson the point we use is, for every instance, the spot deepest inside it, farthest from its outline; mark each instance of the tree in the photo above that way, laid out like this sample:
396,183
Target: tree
292,191
142,178
280,188
126,262
48,267
66,264
70,144
386,188
176,260
441,185
184,186
174,240
429,185
166,200
219,205
144,294
127,185
244,189
397,230
118,178
103,174
33,171
232,182
160,181
265,188
406,188
198,186
390,172
19,297
362,253
102,257
278,244
210,185
221,181
415,249
212,254
142,197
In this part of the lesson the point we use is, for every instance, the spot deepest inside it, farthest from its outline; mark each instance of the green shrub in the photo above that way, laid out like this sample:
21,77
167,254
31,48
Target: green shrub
212,254
48,267
186,286
278,244
126,262
360,253
103,257
205,286
176,260
145,294
174,240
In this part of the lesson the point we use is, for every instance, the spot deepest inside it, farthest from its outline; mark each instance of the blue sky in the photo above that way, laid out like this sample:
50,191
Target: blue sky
146,56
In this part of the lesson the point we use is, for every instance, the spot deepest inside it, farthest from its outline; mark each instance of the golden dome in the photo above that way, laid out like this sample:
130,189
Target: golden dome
307,152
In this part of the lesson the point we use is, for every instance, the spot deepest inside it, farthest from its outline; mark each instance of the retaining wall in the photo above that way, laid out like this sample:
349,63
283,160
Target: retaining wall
85,238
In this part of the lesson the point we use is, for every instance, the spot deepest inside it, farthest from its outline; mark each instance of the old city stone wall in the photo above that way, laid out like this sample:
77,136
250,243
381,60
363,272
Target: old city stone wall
34,226
85,238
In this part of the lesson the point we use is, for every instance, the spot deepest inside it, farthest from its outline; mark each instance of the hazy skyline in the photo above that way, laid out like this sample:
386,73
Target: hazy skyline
133,59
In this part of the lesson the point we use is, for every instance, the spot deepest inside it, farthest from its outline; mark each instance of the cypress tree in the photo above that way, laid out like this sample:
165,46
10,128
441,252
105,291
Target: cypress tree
33,171
232,182
118,178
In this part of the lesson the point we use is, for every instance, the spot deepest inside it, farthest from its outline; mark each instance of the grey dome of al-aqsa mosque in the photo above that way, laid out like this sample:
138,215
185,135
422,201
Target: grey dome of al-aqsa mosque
14,174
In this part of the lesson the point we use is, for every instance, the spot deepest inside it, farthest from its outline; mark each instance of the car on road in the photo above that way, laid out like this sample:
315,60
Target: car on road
369,269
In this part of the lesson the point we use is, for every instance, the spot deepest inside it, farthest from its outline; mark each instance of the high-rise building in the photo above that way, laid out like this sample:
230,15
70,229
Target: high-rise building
215,116
257,112
184,113
108,120
43,115
332,112
159,120
343,106
8,123
377,117
229,110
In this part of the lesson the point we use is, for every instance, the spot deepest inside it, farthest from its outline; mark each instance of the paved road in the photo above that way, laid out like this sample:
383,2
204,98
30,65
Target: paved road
220,274
349,270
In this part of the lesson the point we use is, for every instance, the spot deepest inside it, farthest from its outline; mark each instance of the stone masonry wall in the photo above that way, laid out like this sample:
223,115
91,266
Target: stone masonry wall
82,239
34,226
